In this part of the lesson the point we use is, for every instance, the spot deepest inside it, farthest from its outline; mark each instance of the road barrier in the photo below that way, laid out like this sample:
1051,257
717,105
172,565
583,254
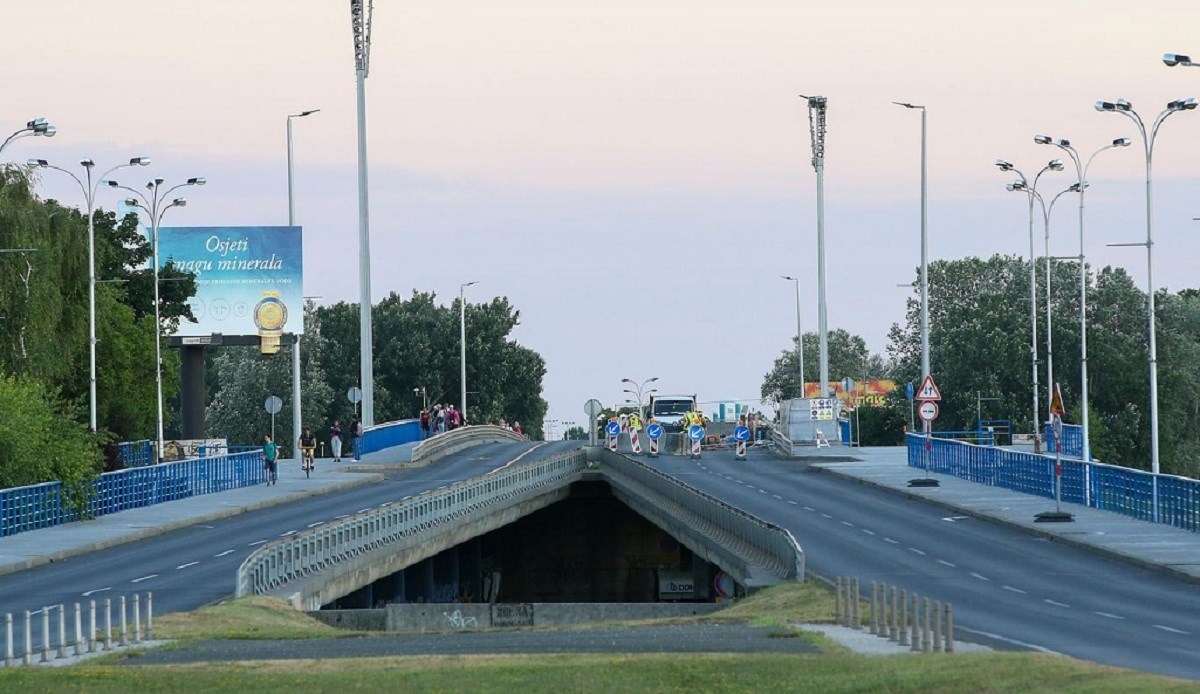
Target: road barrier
1167,499
91,640
1072,439
434,448
377,438
930,622
47,504
136,453
410,521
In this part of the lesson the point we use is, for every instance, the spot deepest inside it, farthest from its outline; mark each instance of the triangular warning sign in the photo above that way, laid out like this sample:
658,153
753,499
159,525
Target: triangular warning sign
928,390
1056,402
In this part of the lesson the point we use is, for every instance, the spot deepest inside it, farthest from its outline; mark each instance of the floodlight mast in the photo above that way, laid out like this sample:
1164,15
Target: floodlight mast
816,127
360,25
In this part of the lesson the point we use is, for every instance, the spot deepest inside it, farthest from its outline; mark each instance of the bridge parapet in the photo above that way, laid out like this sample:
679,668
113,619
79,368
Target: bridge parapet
451,442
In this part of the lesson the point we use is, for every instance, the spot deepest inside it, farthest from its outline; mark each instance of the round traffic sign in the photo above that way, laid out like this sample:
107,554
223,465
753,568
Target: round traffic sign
354,395
593,408
613,429
273,404
654,431
695,432
742,433
928,411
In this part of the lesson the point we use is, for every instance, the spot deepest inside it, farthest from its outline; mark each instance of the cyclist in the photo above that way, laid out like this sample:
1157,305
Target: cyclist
308,444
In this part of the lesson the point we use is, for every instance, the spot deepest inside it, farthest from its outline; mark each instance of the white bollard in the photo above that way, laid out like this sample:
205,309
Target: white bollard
916,624
149,616
78,629
137,618
28,638
926,636
62,631
837,603
855,604
108,624
8,640
937,626
91,635
902,639
949,628
124,625
875,607
45,634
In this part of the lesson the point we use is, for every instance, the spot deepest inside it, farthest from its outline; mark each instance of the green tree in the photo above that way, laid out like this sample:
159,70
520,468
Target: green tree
848,357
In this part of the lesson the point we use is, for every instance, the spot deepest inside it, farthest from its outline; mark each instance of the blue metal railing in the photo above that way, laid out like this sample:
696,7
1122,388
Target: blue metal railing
1166,499
136,453
45,505
1072,439
386,435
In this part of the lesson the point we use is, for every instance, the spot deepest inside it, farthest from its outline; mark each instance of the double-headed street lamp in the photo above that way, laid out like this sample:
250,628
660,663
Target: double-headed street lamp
799,332
89,194
1054,165
1081,170
640,391
151,202
924,247
38,127
1125,108
462,341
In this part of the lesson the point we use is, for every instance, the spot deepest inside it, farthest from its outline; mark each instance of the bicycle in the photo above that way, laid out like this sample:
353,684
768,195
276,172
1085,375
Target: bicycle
307,460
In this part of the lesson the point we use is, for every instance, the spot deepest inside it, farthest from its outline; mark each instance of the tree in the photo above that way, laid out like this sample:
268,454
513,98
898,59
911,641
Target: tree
848,357
575,434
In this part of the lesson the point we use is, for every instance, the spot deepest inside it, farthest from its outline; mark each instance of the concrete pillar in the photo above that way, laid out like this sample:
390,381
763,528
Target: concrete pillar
926,635
903,638
937,626
875,605
191,391
916,624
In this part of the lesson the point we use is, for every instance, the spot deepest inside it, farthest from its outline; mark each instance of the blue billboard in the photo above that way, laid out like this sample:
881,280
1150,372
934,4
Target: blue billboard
249,280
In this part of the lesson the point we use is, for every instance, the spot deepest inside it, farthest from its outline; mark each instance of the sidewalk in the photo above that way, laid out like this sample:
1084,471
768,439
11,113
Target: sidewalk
1157,547
36,547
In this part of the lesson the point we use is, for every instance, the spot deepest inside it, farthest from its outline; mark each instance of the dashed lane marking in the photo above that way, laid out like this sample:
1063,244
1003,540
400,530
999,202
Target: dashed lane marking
184,566
290,532
826,515
888,539
1171,629
869,532
225,553
260,542
793,503
1015,590
1056,603
1110,615
90,593
946,563
144,578
982,578
848,524
914,550
313,525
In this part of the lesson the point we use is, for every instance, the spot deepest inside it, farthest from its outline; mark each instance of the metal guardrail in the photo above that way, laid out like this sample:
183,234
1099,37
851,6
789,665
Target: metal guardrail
1167,499
409,521
96,637
719,521
45,505
136,453
1072,439
464,437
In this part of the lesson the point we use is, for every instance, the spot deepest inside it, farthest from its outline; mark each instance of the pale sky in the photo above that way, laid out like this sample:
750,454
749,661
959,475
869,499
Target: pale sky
633,175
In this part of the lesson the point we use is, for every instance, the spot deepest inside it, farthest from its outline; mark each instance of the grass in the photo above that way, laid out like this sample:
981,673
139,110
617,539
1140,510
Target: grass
254,617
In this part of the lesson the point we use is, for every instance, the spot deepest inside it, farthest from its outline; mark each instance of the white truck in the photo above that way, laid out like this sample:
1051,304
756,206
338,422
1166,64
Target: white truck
668,410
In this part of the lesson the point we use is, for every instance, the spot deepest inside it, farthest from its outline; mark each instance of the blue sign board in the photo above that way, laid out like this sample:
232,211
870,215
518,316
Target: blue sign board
742,433
613,429
695,432
654,431
249,280
908,390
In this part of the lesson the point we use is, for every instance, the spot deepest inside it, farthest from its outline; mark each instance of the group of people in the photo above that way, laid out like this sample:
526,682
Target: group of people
307,445
440,419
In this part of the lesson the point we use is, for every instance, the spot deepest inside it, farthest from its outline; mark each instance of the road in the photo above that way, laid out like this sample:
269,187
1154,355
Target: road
196,565
1007,586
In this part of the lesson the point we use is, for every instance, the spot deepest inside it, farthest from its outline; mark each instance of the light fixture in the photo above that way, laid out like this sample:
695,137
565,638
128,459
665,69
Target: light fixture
1173,59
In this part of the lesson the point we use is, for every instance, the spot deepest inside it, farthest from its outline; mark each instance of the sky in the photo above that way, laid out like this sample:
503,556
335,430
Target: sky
635,175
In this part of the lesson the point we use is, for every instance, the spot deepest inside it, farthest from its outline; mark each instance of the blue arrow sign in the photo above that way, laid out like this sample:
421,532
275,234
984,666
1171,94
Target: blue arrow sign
613,429
742,433
695,432
908,390
654,431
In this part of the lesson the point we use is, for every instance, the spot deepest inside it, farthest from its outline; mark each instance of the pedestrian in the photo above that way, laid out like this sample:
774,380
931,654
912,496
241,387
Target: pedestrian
517,428
440,418
353,434
270,460
424,424
455,419
335,440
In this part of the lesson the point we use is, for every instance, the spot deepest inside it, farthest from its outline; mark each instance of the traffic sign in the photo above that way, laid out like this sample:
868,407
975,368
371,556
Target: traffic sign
909,391
695,432
928,390
613,429
848,385
928,411
593,408
273,404
654,431
354,395
741,433
1056,402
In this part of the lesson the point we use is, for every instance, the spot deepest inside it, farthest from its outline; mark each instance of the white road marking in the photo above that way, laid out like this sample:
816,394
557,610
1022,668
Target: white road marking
1173,631
313,525
888,539
364,510
848,524
144,578
98,590
809,508
290,532
518,458
225,553
781,498
1110,615
207,527
916,551
762,491
793,503
1015,590
1056,603
1015,642
345,515
946,563
260,542
826,515
982,578
869,532
184,566
951,519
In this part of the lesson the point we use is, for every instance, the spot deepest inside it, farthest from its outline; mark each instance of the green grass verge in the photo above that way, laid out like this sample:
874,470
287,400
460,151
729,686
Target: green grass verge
255,617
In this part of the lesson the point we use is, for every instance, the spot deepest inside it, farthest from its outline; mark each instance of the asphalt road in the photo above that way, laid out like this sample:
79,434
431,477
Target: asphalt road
1008,587
196,565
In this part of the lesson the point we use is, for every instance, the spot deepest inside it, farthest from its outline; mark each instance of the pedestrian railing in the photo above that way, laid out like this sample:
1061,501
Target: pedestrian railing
464,437
1072,435
1167,499
97,638
48,504
407,522
381,436
136,453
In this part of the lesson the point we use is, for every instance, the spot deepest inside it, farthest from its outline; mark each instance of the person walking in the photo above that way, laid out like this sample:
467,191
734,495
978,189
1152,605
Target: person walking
424,424
517,428
354,432
440,418
335,440
270,460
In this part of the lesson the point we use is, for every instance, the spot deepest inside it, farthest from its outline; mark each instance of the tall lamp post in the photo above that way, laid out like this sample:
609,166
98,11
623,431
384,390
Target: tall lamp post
360,25
817,106
1081,170
297,418
799,333
1125,108
462,342
38,127
640,391
924,246
1054,165
89,194
151,202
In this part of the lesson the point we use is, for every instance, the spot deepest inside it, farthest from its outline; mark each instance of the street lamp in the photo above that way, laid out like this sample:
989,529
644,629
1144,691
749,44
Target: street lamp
817,111
291,197
420,390
462,341
924,247
151,202
1053,165
1081,170
1173,59
799,332
297,417
641,391
1125,108
89,194
38,127
361,12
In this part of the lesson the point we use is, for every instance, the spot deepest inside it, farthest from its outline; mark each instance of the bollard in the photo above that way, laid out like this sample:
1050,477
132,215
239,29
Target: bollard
8,640
45,634
124,625
91,634
108,624
926,636
916,624
855,604
874,608
937,626
895,625
949,628
903,640
78,629
149,616
28,659
837,604
62,631
883,602
137,618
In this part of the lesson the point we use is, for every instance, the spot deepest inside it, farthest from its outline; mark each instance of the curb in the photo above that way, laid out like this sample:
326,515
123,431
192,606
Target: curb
143,533
1071,542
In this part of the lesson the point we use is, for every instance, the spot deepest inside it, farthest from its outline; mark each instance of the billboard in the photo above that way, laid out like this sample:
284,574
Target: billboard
871,393
249,280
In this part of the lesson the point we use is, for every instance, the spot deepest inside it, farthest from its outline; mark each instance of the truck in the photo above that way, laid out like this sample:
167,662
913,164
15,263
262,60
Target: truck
668,410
